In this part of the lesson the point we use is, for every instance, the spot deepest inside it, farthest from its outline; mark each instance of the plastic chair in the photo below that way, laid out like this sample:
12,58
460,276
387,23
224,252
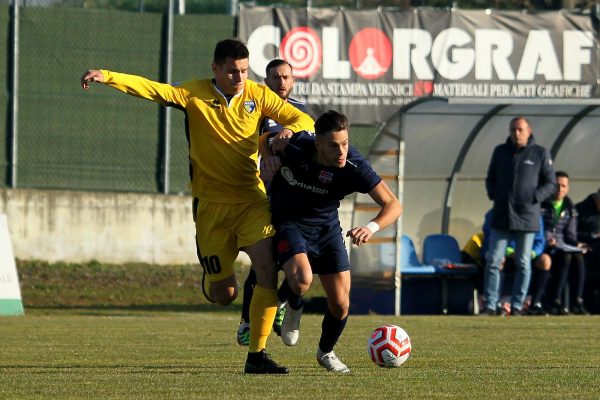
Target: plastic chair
409,261
442,251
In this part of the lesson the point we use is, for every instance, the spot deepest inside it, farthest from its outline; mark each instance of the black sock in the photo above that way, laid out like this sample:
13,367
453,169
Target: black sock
562,273
284,291
331,330
540,280
580,271
294,300
248,292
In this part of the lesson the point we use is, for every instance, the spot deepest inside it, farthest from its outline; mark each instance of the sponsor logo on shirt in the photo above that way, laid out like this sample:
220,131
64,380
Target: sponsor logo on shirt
288,175
249,106
325,176
528,162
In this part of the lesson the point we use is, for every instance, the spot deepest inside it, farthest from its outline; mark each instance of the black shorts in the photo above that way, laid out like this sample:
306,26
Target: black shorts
324,247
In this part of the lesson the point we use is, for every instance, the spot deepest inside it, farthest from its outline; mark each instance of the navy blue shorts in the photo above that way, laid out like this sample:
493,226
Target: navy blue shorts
324,247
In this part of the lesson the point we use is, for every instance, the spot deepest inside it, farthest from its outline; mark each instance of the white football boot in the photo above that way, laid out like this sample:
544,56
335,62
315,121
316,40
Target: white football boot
330,362
243,333
290,329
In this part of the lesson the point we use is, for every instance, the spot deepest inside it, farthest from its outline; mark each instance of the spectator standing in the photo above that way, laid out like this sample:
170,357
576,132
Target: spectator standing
520,176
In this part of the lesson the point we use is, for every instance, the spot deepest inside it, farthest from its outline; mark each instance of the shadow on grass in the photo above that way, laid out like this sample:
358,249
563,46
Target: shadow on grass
312,305
108,309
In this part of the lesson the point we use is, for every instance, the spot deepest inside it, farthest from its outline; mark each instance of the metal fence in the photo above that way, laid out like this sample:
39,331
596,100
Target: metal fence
62,137
56,136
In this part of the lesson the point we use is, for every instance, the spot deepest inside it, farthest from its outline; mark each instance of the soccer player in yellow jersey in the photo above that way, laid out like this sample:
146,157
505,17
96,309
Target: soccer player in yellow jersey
230,205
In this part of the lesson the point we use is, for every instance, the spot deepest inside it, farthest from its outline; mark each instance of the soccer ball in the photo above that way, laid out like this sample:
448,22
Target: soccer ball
389,346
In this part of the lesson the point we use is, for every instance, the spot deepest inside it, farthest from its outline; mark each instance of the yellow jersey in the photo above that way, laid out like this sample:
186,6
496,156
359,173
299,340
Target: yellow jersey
222,134
473,247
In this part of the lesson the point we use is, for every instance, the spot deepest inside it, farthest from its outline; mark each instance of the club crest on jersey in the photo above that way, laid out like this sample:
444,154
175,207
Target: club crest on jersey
249,106
325,176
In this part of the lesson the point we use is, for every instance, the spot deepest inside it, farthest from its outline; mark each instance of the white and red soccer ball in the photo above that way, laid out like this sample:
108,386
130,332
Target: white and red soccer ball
389,346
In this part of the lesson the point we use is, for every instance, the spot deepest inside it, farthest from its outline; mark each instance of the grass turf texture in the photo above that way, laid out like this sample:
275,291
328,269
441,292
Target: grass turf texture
159,355
153,347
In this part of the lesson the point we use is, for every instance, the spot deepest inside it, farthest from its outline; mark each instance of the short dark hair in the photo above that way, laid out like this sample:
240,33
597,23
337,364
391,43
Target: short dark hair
561,174
276,62
232,48
520,117
330,121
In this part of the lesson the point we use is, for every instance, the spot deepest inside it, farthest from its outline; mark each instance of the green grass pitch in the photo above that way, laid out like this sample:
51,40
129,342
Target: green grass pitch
121,354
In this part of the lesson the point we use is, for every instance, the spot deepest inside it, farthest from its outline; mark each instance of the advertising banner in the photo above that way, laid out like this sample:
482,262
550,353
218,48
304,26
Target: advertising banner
10,292
368,63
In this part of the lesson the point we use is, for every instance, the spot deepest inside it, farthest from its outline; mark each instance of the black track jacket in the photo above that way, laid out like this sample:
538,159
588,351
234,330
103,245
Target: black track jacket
518,180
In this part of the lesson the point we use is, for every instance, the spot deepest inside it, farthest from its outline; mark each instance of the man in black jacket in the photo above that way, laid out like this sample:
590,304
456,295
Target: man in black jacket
520,176
563,252
588,227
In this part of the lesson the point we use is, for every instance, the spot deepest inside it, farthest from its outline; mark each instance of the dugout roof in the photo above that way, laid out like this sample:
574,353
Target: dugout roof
434,154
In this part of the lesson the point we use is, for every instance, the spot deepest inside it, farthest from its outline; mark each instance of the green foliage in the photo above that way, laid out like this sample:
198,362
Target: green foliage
95,285
223,6
111,287
158,6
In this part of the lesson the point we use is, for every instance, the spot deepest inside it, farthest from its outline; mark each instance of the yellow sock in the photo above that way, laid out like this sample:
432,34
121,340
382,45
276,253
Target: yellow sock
262,314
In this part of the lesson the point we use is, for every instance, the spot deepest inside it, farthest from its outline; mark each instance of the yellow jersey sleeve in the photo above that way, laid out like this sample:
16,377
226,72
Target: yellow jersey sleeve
138,86
222,132
286,114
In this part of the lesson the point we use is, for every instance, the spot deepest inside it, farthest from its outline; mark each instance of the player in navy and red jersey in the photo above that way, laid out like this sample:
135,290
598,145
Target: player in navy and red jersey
280,79
317,171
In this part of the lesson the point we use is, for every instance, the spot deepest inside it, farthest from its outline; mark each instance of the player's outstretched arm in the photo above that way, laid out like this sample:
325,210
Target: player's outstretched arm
91,75
391,209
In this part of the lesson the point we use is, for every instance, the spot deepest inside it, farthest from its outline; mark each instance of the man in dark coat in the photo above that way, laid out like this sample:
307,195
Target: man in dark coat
520,176
563,253
588,227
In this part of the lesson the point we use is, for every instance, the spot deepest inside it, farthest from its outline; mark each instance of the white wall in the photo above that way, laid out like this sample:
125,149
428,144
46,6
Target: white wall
109,227
72,226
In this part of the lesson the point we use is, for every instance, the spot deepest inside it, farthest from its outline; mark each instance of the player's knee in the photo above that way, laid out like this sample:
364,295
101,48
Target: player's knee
339,309
305,280
225,299
300,284
224,296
